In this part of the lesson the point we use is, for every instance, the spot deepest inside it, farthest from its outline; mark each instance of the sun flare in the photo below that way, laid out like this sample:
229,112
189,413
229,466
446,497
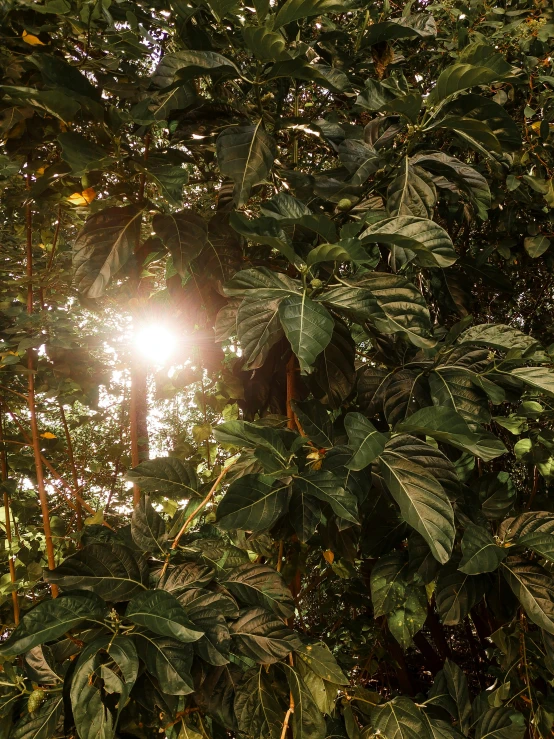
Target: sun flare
155,343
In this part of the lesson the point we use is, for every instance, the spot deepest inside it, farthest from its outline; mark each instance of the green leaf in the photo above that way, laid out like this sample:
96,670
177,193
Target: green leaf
533,587
161,612
457,687
52,618
148,527
258,329
389,302
166,476
59,73
541,543
422,500
411,193
253,503
417,26
334,375
81,154
308,326
364,438
40,724
250,435
184,233
315,422
266,45
539,378
444,424
480,553
501,723
260,585
399,718
294,10
168,661
103,246
245,154
307,721
258,708
115,662
261,636
466,177
53,102
187,64
327,487
535,246
498,336
320,660
110,570
265,282
430,244
305,514
360,159
267,231
457,593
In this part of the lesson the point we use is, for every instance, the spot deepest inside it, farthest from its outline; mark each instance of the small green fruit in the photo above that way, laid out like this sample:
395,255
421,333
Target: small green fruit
344,204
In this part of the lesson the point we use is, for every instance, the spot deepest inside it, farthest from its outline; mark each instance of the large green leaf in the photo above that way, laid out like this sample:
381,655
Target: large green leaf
160,612
320,660
480,553
167,476
399,718
294,10
258,708
430,244
253,503
539,378
40,724
498,336
263,637
315,421
444,424
81,154
327,487
103,246
500,723
245,154
110,570
360,159
532,585
305,513
168,661
363,437
411,193
258,329
187,64
148,527
260,585
466,177
456,682
421,498
261,283
307,720
184,233
113,661
457,593
389,302
52,618
308,326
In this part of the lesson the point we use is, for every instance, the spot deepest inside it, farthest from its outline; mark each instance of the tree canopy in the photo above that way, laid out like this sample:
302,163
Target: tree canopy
276,369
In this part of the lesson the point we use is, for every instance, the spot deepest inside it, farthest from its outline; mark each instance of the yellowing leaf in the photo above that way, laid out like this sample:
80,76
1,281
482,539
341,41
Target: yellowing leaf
329,556
96,519
83,198
32,40
48,435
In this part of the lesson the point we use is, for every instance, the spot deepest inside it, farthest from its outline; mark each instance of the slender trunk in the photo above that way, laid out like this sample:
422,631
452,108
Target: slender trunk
32,406
7,515
292,392
139,399
74,474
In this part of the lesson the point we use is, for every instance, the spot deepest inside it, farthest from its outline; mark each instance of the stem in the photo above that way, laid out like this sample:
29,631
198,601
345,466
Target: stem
73,467
534,489
291,391
202,505
139,403
31,401
4,472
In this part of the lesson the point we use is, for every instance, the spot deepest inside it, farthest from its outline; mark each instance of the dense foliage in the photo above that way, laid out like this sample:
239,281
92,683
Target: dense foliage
341,519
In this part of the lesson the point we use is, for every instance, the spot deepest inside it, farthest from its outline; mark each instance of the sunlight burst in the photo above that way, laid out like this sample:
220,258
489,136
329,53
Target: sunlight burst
155,343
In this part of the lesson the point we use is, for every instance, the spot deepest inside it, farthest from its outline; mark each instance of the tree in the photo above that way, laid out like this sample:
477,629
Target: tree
342,516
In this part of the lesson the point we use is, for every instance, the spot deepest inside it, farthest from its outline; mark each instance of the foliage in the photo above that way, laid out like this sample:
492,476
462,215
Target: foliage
345,527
